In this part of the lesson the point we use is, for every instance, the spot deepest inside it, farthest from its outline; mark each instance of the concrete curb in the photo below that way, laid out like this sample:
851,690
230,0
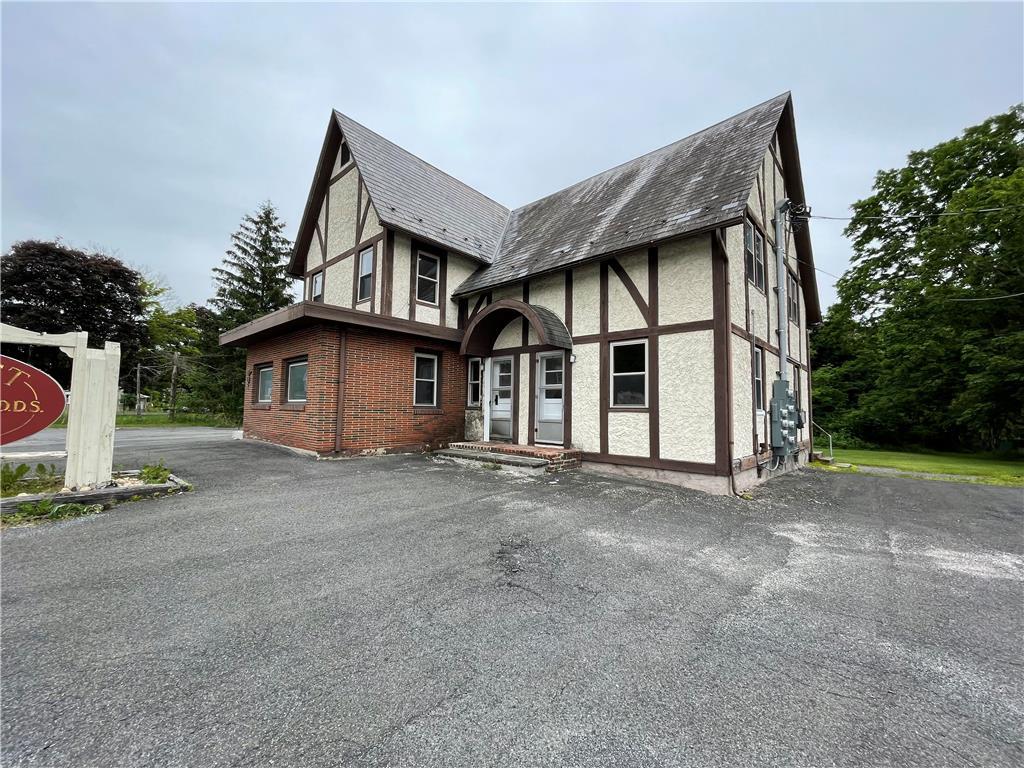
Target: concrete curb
174,484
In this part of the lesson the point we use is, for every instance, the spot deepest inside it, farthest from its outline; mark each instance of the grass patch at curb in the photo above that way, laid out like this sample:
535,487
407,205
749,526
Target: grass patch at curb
956,467
160,419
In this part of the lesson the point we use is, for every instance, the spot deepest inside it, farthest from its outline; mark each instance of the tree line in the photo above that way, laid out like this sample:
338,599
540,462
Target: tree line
925,346
52,287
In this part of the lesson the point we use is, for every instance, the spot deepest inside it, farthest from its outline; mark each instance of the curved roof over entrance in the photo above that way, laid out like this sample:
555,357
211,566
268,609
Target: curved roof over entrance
485,326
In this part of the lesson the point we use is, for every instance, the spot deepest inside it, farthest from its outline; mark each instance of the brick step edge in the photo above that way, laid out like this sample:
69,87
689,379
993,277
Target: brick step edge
493,458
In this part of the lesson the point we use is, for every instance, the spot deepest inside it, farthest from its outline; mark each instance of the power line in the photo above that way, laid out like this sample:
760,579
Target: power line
992,298
897,216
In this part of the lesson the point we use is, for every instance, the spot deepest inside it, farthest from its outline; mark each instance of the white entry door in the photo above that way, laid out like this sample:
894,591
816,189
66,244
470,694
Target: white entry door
550,391
501,398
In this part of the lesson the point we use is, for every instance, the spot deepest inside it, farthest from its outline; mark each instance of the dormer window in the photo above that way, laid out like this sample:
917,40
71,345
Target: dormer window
345,155
316,288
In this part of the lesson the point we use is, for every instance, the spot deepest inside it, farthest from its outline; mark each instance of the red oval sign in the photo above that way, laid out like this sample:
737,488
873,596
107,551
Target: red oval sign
30,400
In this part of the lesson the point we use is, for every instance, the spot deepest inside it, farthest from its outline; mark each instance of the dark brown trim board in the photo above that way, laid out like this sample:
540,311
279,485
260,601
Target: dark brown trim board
567,400
627,281
345,254
523,324
603,360
653,374
568,300
388,274
660,330
442,285
531,429
342,354
695,467
722,363
515,399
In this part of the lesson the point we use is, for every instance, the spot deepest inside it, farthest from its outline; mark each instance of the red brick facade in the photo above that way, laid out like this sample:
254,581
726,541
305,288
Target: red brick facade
377,412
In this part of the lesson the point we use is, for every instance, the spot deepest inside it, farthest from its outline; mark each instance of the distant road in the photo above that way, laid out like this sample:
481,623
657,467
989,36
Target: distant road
133,437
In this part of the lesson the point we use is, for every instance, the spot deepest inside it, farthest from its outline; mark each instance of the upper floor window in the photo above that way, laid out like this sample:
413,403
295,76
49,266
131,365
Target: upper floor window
473,391
345,155
316,288
629,373
365,286
425,380
427,273
264,384
793,298
753,246
297,381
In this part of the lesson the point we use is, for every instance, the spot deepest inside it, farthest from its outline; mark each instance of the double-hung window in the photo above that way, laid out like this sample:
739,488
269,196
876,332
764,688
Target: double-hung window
473,390
365,286
425,380
316,287
427,274
792,299
629,373
264,384
758,379
753,247
297,381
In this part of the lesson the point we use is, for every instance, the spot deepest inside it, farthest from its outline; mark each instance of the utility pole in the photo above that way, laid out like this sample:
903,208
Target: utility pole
174,386
138,389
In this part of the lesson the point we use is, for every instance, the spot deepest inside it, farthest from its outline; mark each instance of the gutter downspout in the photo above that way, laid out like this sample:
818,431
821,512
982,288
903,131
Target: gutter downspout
781,208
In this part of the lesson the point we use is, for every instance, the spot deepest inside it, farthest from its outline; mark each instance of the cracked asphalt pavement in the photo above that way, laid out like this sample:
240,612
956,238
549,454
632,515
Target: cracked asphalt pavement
393,611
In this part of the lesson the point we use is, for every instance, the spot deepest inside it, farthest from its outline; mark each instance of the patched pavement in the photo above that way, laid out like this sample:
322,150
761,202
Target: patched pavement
392,611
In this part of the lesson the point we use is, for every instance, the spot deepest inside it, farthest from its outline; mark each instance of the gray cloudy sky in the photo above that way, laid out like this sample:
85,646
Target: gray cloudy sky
149,130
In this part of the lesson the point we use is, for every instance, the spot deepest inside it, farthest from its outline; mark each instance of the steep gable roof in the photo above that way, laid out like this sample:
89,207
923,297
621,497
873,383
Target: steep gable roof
696,183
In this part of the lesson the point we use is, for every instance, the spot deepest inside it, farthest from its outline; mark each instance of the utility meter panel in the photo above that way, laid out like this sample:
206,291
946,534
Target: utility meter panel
784,419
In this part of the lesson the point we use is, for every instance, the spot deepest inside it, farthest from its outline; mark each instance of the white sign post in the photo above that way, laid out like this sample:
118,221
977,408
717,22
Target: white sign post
93,402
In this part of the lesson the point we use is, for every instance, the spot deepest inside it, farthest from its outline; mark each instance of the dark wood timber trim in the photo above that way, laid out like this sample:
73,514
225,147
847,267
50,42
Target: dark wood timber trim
525,326
531,429
568,301
320,242
515,399
482,300
603,369
413,261
362,218
318,190
359,208
471,343
660,330
338,176
307,311
633,290
567,399
345,254
694,467
442,286
463,312
520,350
723,394
653,374
387,289
745,335
342,355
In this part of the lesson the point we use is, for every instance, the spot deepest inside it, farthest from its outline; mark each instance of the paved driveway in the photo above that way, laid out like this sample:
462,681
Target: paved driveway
393,612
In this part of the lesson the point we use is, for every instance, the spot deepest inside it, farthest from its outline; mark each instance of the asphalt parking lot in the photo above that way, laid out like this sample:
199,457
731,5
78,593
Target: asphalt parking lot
391,611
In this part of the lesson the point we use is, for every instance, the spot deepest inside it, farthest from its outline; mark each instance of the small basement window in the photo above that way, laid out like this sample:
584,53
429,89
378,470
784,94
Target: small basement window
473,390
629,373
758,379
316,287
297,381
427,269
365,275
425,380
264,384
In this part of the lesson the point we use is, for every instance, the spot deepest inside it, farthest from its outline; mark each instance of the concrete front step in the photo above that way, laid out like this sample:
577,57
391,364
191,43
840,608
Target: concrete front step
526,464
559,459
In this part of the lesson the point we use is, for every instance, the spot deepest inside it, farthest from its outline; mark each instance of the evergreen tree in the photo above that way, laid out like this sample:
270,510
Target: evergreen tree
252,280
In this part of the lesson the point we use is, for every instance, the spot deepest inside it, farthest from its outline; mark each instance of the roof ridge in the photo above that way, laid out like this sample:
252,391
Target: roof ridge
420,159
787,94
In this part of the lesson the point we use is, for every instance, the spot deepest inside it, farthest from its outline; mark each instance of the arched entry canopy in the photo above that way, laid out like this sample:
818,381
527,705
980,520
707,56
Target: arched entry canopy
485,326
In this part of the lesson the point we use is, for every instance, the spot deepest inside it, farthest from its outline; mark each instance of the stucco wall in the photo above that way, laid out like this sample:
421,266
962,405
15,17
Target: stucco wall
459,270
684,280
400,276
742,399
586,398
623,313
737,275
586,300
629,434
525,429
514,291
322,216
314,256
341,227
687,396
549,292
511,335
338,283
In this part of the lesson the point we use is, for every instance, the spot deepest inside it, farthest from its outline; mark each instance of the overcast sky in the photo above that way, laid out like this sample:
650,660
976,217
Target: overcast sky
148,131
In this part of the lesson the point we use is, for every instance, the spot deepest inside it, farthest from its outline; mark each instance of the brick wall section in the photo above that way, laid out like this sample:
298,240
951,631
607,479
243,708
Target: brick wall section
378,412
311,425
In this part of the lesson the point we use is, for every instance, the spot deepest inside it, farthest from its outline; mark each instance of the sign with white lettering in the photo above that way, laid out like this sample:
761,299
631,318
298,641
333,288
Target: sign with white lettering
30,400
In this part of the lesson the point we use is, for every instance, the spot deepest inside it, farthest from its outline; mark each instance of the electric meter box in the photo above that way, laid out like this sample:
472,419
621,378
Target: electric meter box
784,419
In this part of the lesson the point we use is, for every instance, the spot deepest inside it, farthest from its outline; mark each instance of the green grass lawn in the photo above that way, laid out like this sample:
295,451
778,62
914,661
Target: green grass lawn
161,419
986,468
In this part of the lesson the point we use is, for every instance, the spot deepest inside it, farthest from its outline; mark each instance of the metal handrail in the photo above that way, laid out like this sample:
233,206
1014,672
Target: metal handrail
816,424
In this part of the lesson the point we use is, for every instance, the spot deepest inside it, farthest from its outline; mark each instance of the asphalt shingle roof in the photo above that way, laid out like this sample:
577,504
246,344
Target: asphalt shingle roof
412,195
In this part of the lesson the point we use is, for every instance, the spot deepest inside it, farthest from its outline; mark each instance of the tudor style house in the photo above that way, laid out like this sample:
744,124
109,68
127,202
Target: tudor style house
630,320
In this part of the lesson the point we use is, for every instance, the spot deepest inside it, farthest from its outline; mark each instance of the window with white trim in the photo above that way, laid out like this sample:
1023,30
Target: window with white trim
473,389
297,381
792,298
365,287
629,374
316,288
753,252
425,380
427,275
758,379
796,385
264,384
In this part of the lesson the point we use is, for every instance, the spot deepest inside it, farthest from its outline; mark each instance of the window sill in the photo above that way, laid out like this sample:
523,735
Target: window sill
426,410
473,407
260,406
753,285
628,409
293,406
421,303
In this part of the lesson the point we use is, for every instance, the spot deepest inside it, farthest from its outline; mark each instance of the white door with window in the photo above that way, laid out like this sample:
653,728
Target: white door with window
501,399
550,391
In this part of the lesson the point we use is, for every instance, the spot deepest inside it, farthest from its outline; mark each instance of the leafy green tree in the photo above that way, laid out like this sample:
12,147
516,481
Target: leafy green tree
926,344
52,288
252,280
